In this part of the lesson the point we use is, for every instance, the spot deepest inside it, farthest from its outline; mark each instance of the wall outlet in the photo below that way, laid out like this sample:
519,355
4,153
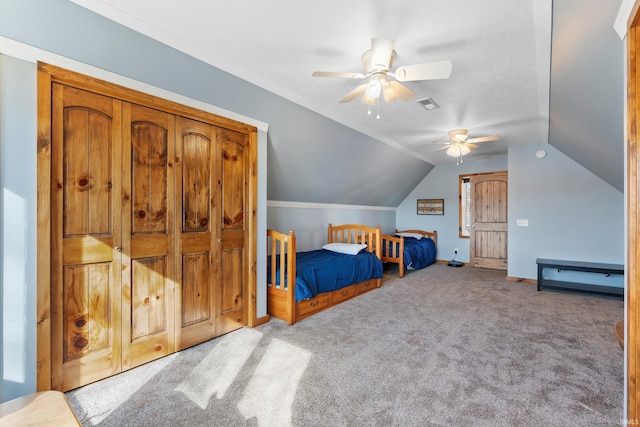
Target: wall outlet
455,250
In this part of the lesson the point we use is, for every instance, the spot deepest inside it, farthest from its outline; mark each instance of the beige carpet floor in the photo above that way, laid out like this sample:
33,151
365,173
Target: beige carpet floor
441,347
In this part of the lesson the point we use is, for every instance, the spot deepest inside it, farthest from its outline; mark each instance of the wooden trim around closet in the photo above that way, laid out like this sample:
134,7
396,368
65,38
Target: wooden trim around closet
633,226
43,226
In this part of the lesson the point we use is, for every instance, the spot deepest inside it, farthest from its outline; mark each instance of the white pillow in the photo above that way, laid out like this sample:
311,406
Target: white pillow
345,248
417,236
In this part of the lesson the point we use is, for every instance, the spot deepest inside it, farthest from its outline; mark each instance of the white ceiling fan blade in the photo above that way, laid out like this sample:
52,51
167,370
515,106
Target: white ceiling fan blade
338,74
484,138
426,71
442,148
394,90
382,49
354,93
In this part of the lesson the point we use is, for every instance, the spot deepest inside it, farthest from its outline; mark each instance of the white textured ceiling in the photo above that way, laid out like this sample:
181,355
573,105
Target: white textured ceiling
500,51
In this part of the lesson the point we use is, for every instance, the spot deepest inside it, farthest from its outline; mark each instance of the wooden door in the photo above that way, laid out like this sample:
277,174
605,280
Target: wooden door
488,240
148,244
198,272
232,306
85,237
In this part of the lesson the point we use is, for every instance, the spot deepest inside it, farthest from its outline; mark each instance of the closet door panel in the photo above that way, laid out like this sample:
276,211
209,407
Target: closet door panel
231,291
195,288
148,292
197,246
87,172
86,301
149,307
85,236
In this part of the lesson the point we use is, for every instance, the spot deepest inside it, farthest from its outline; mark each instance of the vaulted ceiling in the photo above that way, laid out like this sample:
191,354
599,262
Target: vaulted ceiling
521,69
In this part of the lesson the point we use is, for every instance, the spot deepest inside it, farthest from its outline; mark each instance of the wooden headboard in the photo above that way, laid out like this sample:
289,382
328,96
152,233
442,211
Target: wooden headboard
356,233
431,234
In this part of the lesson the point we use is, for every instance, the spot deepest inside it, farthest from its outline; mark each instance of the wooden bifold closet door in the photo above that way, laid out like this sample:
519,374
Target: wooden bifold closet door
86,236
212,171
148,233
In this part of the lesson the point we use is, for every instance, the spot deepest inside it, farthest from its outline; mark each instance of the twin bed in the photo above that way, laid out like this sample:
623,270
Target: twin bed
410,249
350,264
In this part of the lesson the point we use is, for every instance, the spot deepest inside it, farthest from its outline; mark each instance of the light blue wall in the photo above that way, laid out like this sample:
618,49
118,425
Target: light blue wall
17,227
310,221
442,183
572,213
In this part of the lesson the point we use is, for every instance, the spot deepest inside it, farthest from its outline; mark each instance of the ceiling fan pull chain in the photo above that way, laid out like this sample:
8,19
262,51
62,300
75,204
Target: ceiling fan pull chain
378,102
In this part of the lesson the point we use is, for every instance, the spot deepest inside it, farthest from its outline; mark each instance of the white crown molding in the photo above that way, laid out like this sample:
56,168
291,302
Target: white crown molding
621,23
307,205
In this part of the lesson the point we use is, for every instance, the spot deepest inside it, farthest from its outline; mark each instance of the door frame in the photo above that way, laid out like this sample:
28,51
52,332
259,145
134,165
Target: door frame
632,338
48,74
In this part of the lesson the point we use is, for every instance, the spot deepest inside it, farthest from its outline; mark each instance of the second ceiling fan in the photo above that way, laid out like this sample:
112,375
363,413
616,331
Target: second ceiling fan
459,144
377,63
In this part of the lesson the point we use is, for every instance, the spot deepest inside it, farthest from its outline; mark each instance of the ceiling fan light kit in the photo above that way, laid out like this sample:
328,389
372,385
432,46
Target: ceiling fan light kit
458,150
374,88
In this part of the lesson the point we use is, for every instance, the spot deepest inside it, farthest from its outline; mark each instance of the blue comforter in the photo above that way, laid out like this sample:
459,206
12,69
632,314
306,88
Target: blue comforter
418,253
324,271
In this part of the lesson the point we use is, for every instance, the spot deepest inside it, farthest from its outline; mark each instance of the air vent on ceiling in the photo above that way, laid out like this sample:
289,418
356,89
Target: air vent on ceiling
428,103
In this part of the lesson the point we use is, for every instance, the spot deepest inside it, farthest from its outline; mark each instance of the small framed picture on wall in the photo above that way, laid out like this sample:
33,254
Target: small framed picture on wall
430,206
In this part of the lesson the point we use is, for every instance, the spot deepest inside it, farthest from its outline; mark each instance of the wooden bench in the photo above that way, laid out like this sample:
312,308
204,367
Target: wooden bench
46,408
588,267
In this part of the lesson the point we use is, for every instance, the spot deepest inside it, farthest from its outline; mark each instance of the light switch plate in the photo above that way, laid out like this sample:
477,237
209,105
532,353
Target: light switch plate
522,222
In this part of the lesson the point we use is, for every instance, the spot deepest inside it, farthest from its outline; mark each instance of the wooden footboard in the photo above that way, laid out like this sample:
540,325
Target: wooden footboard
393,247
281,299
393,251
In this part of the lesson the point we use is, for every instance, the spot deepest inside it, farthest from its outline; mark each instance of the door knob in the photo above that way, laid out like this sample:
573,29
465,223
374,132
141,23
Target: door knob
219,240
118,248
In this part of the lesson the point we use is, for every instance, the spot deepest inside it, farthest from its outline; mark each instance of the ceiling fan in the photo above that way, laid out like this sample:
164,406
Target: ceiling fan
459,144
377,63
